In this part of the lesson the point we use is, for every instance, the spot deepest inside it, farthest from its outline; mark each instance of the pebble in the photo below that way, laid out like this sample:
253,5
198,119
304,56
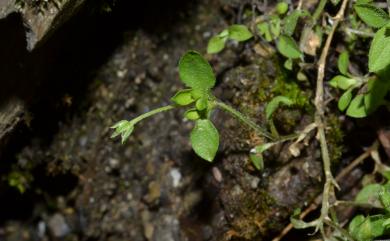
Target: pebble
255,182
114,163
58,226
176,177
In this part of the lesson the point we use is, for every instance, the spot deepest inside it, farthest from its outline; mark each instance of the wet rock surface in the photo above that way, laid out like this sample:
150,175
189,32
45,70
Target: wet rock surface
90,187
41,18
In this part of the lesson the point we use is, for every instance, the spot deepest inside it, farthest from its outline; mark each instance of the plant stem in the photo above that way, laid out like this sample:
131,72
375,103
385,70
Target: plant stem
319,120
151,113
318,11
243,118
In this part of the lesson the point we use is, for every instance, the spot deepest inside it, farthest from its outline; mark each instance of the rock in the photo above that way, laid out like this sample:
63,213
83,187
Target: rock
6,7
10,115
58,226
41,23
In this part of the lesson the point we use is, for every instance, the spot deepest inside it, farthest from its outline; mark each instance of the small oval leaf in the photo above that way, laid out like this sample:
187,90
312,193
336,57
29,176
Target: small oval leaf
371,15
216,44
239,32
288,47
379,54
343,63
196,72
290,22
183,97
192,114
205,139
344,100
342,82
357,109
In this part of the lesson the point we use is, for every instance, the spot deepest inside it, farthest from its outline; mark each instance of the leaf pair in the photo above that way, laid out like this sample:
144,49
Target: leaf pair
235,32
196,73
354,105
379,54
370,227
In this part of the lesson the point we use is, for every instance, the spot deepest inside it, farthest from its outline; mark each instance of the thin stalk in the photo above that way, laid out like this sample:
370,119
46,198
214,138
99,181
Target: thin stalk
318,11
243,118
328,191
152,112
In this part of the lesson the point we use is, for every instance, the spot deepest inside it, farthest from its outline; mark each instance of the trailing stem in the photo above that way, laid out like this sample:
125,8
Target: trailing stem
152,112
244,119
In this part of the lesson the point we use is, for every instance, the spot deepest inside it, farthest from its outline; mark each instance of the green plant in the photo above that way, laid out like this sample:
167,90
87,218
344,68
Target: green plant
197,75
364,94
364,228
237,32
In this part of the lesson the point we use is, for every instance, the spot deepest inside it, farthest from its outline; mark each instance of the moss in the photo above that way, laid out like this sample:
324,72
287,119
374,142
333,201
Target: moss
284,85
335,137
252,210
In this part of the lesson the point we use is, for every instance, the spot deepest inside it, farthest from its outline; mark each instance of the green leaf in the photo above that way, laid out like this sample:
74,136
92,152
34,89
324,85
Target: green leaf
201,103
192,114
379,54
290,22
386,223
264,30
121,127
126,133
357,109
377,227
366,229
377,90
257,160
288,64
205,139
354,225
196,94
224,34
183,97
196,72
343,63
384,196
371,15
275,26
364,1
256,155
342,82
216,44
369,194
262,148
275,103
281,8
239,32
288,47
364,232
344,100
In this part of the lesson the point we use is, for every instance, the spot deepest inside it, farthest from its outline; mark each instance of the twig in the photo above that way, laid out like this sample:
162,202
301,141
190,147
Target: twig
358,32
319,120
317,201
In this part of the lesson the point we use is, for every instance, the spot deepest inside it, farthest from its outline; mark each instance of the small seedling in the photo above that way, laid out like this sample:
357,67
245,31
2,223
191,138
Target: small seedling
236,32
198,76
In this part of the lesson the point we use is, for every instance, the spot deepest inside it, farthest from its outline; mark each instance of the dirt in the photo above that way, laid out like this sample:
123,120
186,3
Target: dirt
86,186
